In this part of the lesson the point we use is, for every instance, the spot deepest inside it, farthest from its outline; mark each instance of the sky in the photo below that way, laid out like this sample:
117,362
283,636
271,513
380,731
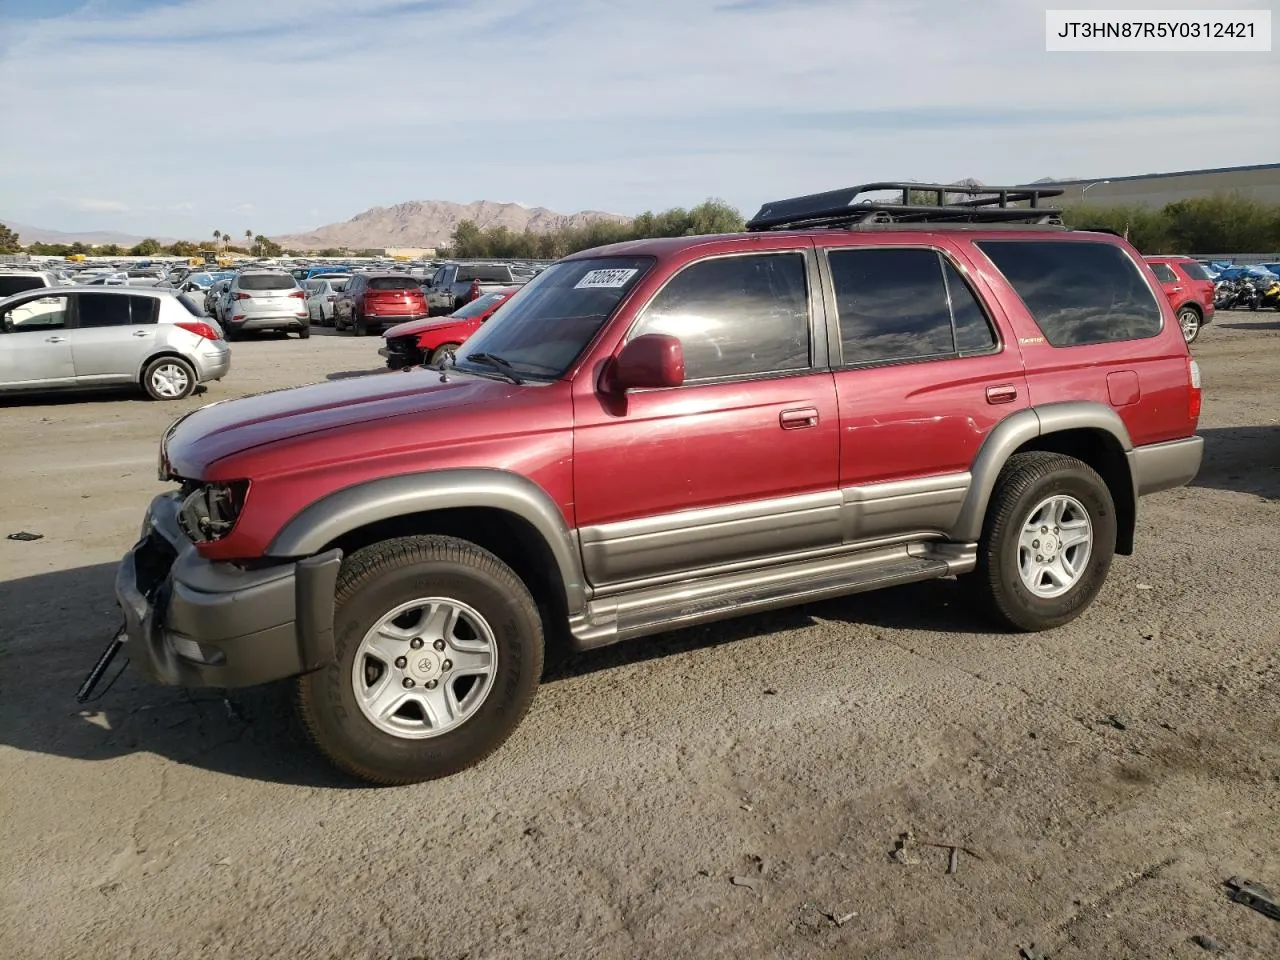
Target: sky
177,117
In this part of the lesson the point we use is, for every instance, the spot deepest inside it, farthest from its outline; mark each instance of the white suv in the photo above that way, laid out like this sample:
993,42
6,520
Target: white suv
103,336
17,280
265,300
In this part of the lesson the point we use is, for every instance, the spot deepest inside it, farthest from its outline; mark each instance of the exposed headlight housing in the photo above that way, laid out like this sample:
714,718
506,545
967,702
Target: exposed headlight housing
210,510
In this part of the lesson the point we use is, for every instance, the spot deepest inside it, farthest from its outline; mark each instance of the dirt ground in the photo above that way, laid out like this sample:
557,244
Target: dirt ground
788,751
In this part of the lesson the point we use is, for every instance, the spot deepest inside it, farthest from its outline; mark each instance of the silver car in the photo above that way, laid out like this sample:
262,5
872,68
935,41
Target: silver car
102,336
264,300
322,293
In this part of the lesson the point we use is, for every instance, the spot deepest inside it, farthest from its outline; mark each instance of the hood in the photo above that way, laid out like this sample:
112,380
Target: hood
228,427
414,327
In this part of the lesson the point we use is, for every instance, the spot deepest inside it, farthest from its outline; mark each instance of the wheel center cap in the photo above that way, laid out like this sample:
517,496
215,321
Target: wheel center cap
1049,545
424,665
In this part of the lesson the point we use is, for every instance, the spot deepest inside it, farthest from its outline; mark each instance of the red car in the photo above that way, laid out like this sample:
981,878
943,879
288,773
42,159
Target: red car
1189,289
433,339
374,300
850,395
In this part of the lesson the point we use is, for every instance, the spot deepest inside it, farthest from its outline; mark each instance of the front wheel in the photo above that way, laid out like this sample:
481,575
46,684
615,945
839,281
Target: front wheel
1189,321
445,353
439,652
1047,542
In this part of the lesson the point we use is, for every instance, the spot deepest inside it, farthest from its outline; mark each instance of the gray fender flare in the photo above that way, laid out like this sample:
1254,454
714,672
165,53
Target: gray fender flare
1011,433
322,522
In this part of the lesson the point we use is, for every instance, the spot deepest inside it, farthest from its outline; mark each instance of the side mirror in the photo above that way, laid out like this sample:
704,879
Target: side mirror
650,361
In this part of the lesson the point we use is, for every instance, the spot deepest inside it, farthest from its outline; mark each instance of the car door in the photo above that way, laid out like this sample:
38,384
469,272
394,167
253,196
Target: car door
921,377
737,464
113,335
34,348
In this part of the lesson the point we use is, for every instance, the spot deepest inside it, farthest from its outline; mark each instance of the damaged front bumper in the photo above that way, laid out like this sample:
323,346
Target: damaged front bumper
200,623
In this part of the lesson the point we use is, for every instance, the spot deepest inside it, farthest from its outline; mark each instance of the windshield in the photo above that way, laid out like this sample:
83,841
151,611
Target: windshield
543,328
478,306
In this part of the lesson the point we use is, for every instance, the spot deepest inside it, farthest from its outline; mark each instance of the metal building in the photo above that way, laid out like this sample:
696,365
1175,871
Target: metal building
1259,181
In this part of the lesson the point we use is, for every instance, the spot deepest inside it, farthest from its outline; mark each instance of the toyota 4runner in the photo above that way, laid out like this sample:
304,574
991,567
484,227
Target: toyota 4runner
854,393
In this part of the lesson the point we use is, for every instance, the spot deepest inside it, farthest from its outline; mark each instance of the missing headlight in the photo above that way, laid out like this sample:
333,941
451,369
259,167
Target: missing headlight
210,510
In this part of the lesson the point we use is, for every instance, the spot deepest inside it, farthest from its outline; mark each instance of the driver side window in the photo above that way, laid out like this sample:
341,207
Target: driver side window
736,316
36,315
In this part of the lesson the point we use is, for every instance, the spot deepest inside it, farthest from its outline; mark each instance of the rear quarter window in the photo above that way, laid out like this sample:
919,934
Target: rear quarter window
1078,292
1192,270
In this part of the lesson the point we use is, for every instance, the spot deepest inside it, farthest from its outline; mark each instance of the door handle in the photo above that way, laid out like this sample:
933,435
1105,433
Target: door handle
798,419
1004,393
142,333
55,339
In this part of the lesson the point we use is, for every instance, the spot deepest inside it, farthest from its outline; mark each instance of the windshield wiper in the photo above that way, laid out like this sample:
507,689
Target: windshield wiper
502,366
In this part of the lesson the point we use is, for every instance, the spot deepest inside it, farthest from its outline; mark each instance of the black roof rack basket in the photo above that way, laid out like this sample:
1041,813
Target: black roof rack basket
986,204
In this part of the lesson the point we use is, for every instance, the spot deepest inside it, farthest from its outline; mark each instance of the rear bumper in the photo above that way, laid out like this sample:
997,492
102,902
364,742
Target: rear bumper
1163,466
278,322
212,361
197,623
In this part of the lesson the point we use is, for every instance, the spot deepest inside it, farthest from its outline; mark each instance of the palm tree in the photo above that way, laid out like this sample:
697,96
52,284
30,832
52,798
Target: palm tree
226,238
217,238
248,238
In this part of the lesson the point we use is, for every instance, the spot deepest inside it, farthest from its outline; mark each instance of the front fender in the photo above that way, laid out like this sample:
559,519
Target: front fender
321,523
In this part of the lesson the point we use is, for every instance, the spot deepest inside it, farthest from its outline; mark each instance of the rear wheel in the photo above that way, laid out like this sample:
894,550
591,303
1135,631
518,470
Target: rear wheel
169,378
1189,321
358,327
1047,542
305,332
439,653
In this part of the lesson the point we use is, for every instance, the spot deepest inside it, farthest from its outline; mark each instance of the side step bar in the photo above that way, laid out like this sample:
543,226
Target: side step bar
671,606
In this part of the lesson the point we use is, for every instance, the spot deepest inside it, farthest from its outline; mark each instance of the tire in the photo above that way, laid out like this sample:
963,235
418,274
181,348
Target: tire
400,575
169,378
305,333
1027,481
1189,321
358,328
443,351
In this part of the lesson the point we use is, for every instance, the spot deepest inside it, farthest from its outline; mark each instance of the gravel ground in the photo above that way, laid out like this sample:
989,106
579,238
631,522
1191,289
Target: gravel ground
788,751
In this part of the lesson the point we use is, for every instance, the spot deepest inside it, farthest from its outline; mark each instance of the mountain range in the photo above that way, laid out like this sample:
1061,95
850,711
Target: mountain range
430,223
417,223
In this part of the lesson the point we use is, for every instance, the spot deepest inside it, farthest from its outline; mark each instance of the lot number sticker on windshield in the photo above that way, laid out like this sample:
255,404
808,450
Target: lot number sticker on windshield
607,279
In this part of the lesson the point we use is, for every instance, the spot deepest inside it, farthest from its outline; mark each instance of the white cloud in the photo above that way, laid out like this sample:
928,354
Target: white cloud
88,205
584,104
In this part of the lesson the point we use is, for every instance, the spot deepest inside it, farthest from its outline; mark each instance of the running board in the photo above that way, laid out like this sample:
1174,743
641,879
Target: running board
671,606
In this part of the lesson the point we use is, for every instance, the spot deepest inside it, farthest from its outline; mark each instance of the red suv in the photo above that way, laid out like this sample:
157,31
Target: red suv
852,394
374,300
1189,290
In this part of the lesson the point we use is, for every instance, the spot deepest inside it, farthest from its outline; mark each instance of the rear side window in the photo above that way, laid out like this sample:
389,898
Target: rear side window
736,316
113,310
1164,273
905,304
1078,292
1192,269
393,283
267,281
194,308
16,283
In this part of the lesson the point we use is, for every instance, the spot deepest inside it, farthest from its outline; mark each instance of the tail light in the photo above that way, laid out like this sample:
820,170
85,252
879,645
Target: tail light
200,330
474,292
299,294
243,296
1195,398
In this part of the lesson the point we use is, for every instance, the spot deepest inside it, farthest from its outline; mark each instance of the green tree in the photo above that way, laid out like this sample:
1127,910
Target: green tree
109,250
146,248
8,240
184,248
48,249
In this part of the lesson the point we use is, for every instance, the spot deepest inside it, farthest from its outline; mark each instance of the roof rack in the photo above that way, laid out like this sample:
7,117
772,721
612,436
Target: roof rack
842,207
